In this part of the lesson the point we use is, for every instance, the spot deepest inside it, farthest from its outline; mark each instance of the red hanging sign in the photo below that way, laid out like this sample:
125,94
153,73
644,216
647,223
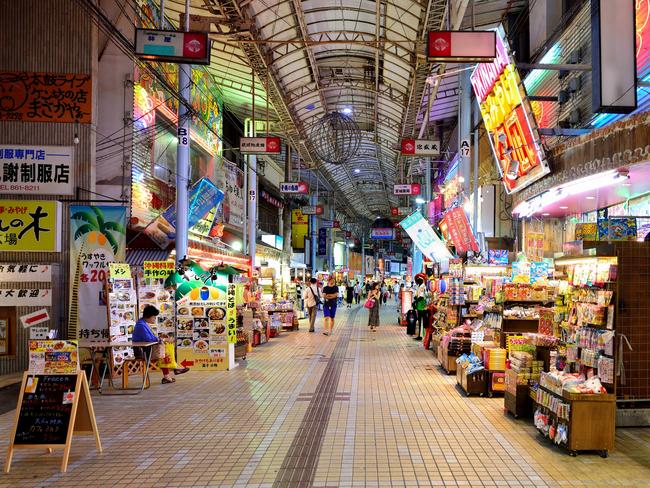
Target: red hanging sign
458,228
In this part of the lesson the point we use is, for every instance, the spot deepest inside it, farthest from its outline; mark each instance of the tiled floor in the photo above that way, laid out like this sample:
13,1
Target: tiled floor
355,409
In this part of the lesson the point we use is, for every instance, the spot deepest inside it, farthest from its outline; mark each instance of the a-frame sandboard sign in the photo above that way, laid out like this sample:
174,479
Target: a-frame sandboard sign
51,408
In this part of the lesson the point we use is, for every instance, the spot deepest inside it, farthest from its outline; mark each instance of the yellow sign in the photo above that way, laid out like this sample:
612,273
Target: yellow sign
119,271
299,228
158,269
502,100
231,315
30,225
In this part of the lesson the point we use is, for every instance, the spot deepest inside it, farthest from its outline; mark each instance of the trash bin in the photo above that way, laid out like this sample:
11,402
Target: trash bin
411,321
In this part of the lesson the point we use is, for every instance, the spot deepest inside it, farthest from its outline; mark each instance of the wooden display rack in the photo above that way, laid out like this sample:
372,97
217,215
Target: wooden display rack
591,421
447,362
518,404
81,418
472,384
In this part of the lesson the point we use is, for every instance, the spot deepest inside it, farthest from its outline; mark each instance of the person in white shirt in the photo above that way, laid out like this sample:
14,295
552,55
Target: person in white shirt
312,299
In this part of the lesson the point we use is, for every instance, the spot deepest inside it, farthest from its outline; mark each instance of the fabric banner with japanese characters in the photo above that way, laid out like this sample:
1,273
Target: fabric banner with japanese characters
97,237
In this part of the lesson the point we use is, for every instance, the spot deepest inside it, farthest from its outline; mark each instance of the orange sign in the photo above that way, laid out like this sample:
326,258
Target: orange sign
45,97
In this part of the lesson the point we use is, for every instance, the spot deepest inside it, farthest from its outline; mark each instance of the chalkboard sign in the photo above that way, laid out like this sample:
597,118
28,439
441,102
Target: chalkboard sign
51,408
46,409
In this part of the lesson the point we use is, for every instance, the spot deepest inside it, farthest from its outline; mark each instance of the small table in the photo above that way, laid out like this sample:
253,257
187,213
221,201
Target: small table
95,346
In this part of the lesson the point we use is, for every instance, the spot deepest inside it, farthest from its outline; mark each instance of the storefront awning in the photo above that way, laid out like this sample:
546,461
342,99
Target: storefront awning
137,257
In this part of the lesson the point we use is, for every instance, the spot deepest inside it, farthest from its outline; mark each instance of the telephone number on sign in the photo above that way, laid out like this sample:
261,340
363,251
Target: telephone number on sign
19,187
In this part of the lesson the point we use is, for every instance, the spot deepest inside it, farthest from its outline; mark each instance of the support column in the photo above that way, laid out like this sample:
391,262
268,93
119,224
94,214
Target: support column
252,204
363,255
313,229
183,154
330,253
477,117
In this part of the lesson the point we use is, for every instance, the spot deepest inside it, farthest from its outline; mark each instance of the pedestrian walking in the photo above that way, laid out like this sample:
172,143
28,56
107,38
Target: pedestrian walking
331,295
312,300
357,293
373,312
349,294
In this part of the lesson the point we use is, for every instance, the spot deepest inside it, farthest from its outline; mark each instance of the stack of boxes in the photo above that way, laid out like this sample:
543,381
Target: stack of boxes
525,369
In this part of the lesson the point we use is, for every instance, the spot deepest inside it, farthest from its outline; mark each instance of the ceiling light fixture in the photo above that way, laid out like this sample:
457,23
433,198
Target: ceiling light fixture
564,207
419,200
576,187
590,198
357,170
347,110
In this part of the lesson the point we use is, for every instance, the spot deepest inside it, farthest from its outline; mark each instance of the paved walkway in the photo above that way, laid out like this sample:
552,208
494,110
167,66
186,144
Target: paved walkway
355,409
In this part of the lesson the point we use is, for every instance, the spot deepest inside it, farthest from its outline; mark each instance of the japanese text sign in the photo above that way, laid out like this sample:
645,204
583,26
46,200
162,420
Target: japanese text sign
509,119
204,196
380,233
425,238
260,145
460,231
172,46
419,147
21,273
158,269
30,225
461,46
312,210
53,357
231,315
25,297
46,97
407,189
294,187
119,271
43,170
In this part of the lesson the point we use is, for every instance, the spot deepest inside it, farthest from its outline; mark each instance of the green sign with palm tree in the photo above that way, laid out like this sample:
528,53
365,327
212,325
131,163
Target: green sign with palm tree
97,237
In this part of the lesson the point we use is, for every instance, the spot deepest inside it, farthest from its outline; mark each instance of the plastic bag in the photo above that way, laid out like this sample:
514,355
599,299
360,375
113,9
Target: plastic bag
169,361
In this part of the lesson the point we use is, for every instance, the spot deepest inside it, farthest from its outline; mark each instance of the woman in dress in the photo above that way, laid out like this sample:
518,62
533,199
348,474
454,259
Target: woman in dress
373,313
349,294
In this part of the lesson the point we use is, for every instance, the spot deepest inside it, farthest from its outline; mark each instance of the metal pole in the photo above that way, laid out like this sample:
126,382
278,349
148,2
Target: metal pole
363,255
313,225
476,192
183,153
465,127
330,254
252,183
246,198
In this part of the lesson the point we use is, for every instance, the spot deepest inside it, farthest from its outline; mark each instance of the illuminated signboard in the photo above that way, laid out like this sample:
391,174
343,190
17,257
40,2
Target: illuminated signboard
509,120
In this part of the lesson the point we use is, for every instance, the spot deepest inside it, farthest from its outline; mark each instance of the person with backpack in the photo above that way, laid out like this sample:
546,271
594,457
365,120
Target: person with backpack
312,300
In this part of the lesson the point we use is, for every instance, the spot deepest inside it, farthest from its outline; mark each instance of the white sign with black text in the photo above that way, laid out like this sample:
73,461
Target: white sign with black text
21,273
36,170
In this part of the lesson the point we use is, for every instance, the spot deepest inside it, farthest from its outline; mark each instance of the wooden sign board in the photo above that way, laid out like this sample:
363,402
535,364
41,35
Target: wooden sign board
51,408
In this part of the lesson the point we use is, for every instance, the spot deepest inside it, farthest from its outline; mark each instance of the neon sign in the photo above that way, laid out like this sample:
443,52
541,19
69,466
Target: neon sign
509,120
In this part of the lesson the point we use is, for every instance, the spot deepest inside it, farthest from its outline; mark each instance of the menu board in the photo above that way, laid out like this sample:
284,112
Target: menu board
201,329
46,409
53,356
152,292
122,306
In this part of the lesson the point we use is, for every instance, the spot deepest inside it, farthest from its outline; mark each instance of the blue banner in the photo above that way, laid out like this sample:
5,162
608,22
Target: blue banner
204,196
322,241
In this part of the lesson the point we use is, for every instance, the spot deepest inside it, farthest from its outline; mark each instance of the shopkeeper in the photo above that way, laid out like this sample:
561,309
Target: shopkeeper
142,333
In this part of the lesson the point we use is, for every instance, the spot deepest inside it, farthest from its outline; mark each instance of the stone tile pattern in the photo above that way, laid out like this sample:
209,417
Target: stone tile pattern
395,420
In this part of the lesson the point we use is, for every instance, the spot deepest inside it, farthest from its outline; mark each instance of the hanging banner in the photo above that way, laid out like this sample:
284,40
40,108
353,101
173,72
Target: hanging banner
231,210
260,145
299,228
419,147
21,273
204,197
312,210
170,46
45,97
461,46
322,241
231,315
408,189
97,238
30,225
36,170
382,233
301,187
460,231
425,237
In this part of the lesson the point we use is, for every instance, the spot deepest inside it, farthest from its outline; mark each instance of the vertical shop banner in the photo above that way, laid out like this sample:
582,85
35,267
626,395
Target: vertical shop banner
299,228
97,238
425,237
460,231
231,315
30,225
231,180
45,97
322,241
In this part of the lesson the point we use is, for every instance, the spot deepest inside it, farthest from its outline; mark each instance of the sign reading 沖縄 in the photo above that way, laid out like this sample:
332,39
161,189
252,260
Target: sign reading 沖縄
42,170
509,119
425,237
30,225
21,273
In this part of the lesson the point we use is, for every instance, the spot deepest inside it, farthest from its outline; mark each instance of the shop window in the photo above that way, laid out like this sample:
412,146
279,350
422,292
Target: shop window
164,156
7,331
